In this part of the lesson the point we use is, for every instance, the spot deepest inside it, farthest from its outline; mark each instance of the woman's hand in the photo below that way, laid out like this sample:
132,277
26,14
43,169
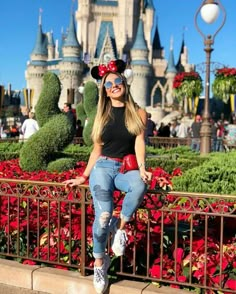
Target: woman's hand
145,176
74,182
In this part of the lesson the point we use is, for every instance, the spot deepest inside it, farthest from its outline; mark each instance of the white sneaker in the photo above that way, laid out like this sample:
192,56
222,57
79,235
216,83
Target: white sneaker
100,278
118,242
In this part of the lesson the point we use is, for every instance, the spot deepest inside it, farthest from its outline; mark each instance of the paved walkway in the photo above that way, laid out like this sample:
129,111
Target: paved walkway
6,289
16,278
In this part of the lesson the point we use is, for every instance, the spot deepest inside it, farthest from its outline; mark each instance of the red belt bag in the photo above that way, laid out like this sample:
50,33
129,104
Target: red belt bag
129,163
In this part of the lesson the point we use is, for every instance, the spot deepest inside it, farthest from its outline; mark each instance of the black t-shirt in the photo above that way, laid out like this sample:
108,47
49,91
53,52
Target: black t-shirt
117,140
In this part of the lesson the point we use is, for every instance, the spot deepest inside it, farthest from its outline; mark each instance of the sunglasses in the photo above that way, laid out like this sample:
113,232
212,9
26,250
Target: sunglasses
118,81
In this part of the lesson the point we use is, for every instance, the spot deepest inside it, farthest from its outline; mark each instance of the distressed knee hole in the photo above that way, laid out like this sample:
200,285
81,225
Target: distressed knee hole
104,219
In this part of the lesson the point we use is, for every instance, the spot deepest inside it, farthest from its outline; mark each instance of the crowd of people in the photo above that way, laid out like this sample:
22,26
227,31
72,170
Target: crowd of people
179,129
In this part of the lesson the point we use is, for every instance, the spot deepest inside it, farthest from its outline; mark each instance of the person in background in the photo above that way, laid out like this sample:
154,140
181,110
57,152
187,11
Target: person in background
151,127
213,135
161,130
174,128
219,136
13,131
79,128
70,114
23,116
195,133
29,127
118,130
166,130
182,131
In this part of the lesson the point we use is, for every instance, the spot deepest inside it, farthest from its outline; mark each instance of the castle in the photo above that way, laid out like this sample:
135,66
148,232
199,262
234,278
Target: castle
102,30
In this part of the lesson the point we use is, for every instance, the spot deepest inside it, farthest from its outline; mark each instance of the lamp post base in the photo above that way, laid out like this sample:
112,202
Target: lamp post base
205,138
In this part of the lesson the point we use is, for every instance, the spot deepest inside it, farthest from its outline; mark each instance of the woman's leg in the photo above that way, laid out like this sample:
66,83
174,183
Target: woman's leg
132,184
102,187
135,189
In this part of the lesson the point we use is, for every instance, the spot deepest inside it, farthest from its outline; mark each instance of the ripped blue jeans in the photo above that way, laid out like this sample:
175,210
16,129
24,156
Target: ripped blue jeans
104,179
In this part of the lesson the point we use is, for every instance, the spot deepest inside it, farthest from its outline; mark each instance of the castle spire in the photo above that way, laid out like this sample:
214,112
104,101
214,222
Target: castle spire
140,42
40,47
141,67
171,63
40,16
179,64
156,40
71,38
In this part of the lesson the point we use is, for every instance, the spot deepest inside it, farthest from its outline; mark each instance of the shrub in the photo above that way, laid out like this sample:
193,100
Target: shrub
47,105
61,164
90,107
215,175
40,148
56,130
80,113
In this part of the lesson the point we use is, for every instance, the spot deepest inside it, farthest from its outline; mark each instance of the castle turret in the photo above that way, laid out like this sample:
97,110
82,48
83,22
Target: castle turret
82,17
170,75
140,87
158,59
148,18
51,46
71,66
37,65
182,64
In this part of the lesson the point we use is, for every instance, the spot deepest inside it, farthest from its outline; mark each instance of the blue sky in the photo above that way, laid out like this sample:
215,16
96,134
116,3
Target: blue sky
19,21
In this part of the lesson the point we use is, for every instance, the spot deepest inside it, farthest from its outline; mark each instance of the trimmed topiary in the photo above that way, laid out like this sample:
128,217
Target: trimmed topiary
90,107
47,105
61,164
56,130
40,148
80,113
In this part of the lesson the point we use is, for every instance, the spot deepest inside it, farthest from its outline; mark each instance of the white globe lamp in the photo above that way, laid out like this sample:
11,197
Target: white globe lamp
210,12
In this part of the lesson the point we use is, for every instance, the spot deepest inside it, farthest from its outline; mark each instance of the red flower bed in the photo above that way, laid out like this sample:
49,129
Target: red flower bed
176,260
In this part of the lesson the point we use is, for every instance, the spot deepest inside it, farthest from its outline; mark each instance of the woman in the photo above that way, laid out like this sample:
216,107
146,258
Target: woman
29,127
119,129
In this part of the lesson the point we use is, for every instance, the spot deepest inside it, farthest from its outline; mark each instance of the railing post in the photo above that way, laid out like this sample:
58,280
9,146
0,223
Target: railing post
83,231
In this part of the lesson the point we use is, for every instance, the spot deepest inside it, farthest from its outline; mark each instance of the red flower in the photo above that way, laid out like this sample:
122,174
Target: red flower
30,262
185,76
178,255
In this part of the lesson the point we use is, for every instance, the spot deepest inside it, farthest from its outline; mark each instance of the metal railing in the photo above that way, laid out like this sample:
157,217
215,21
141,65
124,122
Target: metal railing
157,142
185,239
169,142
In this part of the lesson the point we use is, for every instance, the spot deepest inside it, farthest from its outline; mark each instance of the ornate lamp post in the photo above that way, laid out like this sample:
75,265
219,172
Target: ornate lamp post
209,10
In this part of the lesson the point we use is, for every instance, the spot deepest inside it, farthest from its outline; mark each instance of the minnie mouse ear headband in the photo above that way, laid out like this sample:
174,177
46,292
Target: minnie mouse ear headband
97,72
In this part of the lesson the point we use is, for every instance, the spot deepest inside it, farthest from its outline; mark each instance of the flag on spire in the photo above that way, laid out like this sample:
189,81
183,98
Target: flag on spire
40,15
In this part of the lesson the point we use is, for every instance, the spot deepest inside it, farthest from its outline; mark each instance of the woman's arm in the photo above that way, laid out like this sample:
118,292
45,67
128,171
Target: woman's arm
96,152
140,149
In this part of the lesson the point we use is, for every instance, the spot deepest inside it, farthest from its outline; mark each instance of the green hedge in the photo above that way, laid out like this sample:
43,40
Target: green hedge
215,175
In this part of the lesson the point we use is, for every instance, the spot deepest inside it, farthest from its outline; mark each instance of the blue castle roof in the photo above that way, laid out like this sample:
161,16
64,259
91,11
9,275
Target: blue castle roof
106,26
140,42
71,38
171,63
40,47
